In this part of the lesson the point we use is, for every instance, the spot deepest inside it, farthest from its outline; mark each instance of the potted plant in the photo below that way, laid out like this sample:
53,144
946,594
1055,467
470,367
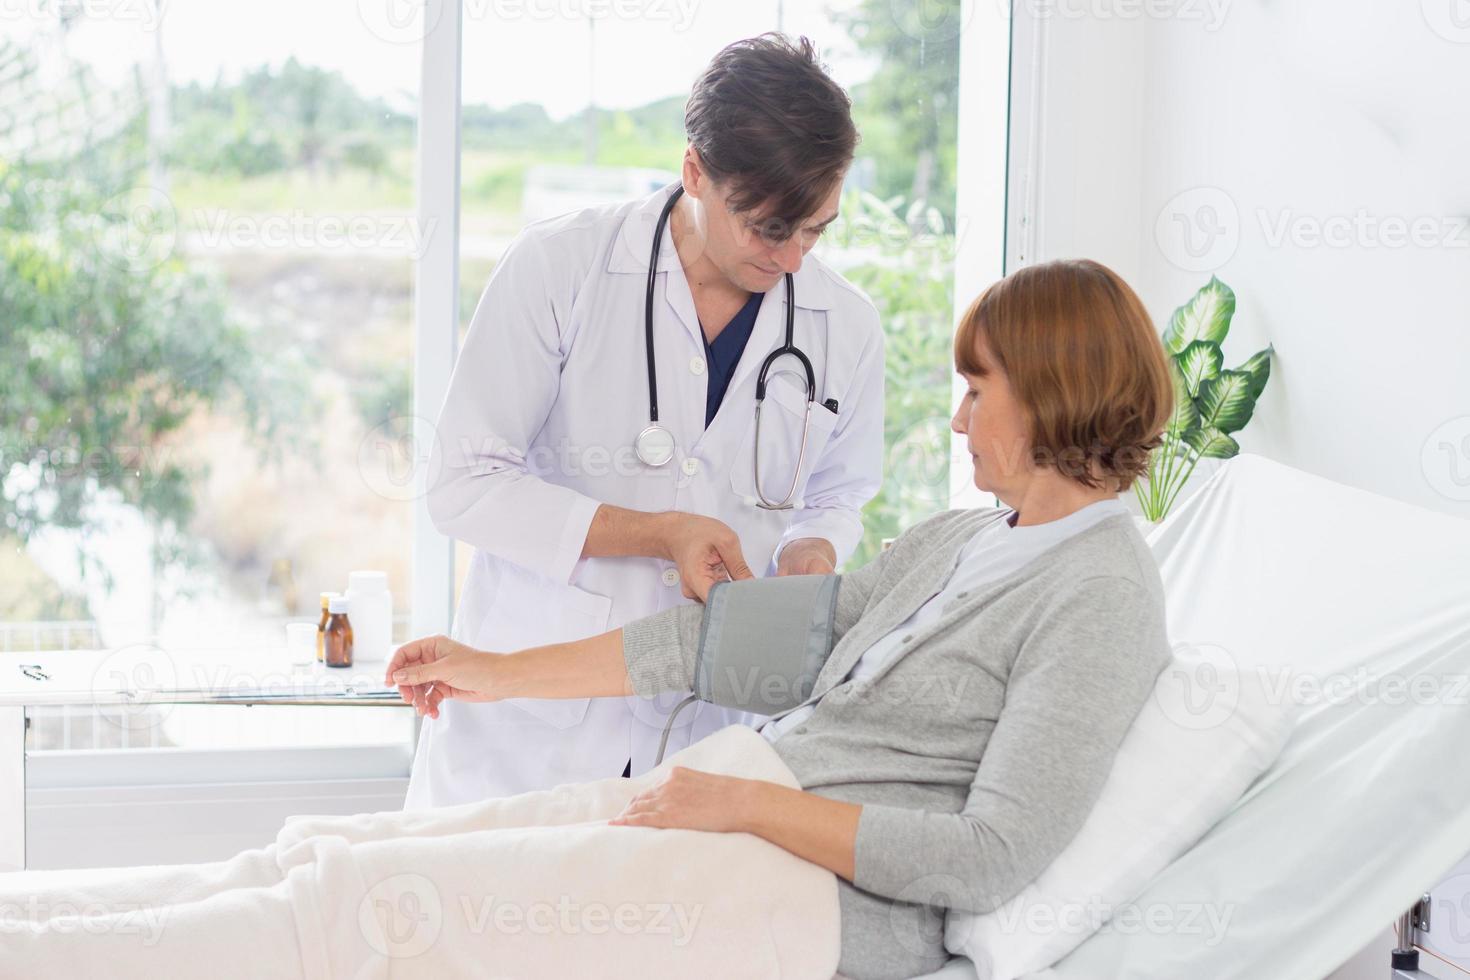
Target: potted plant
1210,401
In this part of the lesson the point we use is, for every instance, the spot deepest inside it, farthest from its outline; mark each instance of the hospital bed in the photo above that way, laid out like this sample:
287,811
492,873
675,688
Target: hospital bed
1310,583
1363,604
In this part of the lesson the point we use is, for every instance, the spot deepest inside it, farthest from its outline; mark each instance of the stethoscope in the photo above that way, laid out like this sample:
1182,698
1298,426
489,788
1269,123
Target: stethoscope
655,444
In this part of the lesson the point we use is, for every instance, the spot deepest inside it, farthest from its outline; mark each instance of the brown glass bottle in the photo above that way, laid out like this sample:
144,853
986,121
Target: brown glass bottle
337,639
321,626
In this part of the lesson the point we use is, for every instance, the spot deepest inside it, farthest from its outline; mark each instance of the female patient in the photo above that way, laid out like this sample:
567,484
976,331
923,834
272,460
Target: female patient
986,665
984,668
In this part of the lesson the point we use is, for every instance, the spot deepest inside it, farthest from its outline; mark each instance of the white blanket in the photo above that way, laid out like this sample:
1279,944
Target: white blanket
535,885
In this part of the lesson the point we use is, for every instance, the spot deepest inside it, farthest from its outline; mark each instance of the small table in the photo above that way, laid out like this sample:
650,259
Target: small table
141,676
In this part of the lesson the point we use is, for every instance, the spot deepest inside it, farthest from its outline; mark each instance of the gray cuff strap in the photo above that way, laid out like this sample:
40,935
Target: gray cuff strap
764,640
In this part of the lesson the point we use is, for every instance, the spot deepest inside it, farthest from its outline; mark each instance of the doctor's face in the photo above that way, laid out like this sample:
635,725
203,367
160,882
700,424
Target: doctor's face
753,252
997,430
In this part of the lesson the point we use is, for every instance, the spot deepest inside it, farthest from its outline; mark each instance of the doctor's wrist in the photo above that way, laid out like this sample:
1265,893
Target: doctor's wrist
619,532
661,532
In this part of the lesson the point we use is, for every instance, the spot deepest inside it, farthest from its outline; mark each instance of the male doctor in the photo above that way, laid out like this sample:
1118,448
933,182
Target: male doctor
601,478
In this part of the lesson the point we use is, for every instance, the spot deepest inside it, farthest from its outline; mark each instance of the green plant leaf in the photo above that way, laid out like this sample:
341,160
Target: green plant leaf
1211,443
1185,416
1225,401
1200,360
1205,317
1259,369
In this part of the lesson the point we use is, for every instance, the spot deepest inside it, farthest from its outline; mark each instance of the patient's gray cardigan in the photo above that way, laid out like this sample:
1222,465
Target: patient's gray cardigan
979,749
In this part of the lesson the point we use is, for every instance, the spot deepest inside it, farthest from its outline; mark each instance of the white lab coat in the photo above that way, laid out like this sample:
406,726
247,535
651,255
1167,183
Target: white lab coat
537,430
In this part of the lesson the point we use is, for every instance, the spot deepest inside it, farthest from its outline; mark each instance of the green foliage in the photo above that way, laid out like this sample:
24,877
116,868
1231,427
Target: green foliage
1210,401
908,112
110,344
500,145
909,277
275,119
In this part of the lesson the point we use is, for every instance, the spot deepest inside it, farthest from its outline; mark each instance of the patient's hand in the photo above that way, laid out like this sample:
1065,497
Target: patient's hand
434,668
689,799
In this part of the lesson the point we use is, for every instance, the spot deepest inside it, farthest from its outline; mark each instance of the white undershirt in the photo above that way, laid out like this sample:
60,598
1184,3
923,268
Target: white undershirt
993,552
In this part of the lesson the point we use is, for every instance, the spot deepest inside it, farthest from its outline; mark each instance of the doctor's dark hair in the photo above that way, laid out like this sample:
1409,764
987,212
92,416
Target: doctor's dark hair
1082,357
772,127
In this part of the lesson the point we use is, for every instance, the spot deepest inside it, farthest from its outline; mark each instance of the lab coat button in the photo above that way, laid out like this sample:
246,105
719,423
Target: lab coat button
691,466
799,730
749,500
697,365
671,576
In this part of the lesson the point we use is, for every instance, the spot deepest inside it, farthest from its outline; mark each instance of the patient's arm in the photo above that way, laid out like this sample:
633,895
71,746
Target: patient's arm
821,830
757,645
434,668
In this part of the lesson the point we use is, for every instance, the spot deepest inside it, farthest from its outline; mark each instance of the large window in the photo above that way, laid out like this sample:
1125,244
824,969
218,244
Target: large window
211,238
606,125
209,235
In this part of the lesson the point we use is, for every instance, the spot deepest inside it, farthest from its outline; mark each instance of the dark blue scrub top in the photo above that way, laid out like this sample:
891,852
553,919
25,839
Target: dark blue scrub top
722,355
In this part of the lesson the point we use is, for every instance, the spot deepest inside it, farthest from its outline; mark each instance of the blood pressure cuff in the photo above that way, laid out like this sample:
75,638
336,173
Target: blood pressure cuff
764,640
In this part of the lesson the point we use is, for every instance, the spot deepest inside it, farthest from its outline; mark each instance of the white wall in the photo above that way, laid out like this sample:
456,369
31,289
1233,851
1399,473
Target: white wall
1253,116
1265,121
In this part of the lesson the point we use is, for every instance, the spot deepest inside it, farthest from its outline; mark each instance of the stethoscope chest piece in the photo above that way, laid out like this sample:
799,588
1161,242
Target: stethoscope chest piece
654,445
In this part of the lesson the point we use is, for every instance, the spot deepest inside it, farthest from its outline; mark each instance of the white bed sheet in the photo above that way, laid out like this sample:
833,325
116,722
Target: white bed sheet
1316,583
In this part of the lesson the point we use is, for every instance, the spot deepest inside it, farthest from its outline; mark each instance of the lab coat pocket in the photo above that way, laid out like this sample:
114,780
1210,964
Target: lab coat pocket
528,610
783,416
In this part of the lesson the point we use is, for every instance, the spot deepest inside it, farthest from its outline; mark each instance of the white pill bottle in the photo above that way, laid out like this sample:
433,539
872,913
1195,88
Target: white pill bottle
372,615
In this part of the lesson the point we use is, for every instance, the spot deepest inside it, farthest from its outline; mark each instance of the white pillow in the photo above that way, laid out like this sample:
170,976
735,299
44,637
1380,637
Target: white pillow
1208,731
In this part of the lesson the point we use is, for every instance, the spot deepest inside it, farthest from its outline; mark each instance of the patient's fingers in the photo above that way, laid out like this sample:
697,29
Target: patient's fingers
414,653
636,812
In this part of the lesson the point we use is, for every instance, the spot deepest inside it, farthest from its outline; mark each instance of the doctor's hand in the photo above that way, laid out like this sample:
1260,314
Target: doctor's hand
807,556
434,668
706,550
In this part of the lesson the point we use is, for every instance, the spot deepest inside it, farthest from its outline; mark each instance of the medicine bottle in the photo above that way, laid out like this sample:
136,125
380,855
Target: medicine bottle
321,626
337,640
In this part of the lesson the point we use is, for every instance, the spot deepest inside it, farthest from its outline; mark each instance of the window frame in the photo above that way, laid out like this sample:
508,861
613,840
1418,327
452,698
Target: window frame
982,176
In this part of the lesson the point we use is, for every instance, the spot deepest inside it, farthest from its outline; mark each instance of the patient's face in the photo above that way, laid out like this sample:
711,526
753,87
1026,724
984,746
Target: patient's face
996,428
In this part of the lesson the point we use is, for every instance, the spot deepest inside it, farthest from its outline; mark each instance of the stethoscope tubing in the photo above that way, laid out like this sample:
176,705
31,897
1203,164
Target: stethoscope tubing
788,348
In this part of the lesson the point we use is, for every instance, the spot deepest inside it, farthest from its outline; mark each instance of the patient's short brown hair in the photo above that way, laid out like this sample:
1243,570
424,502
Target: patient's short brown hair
1081,355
